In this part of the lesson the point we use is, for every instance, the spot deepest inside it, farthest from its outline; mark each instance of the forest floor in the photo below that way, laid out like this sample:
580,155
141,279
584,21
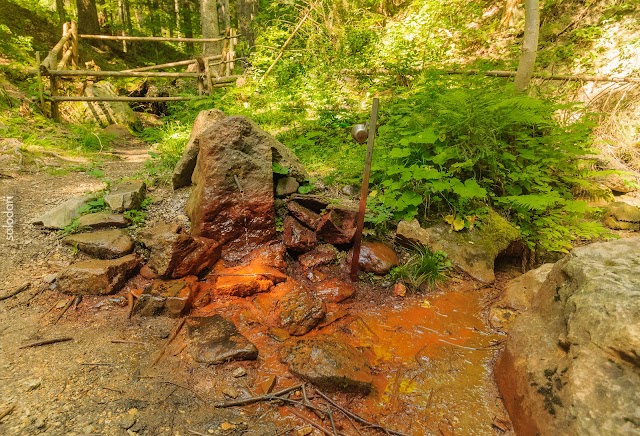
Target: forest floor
104,381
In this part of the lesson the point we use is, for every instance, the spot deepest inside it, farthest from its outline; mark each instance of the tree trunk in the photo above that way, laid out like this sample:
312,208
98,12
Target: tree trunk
226,17
210,27
187,24
247,10
87,17
62,14
529,44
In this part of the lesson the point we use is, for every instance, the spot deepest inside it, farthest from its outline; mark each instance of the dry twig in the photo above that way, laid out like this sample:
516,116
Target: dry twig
267,397
6,411
15,292
45,342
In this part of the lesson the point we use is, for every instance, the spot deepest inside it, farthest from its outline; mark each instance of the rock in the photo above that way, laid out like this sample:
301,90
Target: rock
570,364
148,273
63,215
622,216
334,230
238,214
306,216
126,196
242,281
175,254
296,236
315,203
330,365
517,297
472,252
49,278
215,340
239,372
619,184
349,190
184,168
399,290
286,186
104,113
300,310
266,386
103,244
97,277
101,220
272,255
166,298
377,257
334,290
321,255
284,157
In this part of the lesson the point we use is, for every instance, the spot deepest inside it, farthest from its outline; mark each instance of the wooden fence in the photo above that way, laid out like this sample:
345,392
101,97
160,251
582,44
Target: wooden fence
62,61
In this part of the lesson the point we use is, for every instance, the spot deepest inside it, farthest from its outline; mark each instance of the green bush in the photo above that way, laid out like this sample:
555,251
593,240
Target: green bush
455,146
425,268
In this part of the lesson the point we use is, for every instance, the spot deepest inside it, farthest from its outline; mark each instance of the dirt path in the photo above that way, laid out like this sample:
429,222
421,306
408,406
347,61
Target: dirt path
104,381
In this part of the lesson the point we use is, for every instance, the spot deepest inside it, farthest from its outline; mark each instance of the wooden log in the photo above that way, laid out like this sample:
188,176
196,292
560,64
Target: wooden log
161,66
40,86
200,69
286,43
55,114
74,45
141,99
65,58
50,60
151,38
74,73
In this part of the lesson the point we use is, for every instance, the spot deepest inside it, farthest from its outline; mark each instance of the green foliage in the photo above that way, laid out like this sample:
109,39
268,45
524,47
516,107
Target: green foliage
138,216
425,268
453,147
279,169
97,205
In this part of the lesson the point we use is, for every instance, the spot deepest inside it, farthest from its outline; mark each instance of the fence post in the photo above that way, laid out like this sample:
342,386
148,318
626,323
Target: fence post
200,69
66,28
207,73
74,45
40,93
55,113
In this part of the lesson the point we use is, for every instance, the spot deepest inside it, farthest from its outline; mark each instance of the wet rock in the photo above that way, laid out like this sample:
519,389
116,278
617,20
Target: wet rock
570,364
377,257
101,220
296,236
323,254
170,298
337,226
97,277
330,365
148,273
286,186
316,203
215,340
184,168
174,253
622,216
472,252
103,244
126,196
300,311
284,157
63,215
399,290
278,334
272,255
517,297
306,216
244,280
240,218
334,290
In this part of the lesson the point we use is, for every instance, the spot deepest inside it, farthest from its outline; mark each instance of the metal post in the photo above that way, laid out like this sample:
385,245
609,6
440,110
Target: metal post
364,191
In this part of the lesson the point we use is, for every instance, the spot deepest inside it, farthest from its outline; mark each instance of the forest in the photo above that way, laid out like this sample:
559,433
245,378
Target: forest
337,217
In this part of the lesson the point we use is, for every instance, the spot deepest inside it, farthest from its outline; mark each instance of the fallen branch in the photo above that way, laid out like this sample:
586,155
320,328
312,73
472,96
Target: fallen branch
64,310
45,342
173,335
15,292
358,418
308,421
122,341
6,411
258,398
286,43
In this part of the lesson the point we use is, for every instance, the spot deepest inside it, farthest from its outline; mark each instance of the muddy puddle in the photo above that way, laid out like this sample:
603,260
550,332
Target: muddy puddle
431,356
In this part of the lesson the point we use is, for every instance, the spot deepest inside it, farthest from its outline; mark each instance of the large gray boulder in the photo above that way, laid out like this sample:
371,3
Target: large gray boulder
572,362
472,252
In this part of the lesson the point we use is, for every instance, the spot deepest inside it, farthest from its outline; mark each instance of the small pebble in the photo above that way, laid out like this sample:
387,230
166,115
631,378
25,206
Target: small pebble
239,372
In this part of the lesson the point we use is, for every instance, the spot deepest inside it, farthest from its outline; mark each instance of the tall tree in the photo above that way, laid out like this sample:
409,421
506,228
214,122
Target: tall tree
210,27
529,44
87,17
247,10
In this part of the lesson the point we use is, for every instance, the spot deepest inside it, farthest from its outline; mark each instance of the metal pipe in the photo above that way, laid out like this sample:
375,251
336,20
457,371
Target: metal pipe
235,177
364,191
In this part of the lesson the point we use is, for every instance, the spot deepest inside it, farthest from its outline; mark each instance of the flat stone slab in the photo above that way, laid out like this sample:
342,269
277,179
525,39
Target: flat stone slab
215,340
101,220
126,196
63,215
97,277
170,298
103,244
330,364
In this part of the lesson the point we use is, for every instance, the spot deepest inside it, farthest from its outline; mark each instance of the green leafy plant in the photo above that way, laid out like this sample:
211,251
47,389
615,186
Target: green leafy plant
138,216
425,268
97,205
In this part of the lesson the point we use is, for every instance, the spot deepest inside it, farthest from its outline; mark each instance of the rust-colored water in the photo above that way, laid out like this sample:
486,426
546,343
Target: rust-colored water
431,357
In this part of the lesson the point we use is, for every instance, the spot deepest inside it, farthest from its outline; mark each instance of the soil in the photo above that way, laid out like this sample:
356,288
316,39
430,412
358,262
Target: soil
113,378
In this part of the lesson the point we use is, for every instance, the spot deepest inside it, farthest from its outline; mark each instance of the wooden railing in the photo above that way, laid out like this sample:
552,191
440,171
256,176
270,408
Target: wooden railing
62,61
